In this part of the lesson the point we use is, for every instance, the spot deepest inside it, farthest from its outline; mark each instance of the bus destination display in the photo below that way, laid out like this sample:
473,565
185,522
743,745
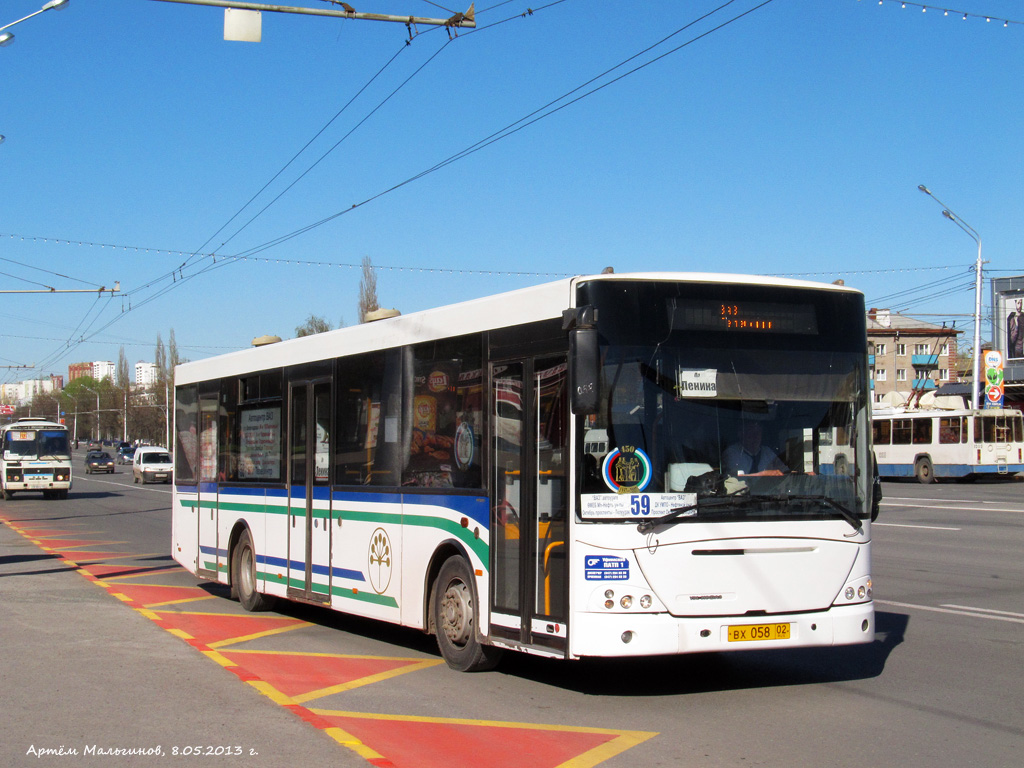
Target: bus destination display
752,316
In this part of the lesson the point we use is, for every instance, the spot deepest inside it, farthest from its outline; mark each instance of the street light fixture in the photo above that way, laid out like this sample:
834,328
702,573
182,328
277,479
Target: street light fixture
973,234
6,38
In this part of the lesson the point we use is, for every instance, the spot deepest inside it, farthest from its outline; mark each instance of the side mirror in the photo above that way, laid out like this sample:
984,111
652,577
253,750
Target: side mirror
876,489
584,358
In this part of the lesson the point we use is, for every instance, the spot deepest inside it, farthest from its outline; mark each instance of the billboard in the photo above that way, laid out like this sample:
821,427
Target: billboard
1008,317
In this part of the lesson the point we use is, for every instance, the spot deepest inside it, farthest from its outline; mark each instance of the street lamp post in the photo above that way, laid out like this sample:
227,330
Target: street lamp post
973,234
97,410
6,38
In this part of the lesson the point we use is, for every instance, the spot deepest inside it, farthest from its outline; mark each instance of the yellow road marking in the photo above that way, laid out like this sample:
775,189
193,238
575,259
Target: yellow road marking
352,684
256,635
346,739
179,602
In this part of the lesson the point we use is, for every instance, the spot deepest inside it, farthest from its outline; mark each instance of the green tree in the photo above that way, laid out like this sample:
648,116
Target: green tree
314,324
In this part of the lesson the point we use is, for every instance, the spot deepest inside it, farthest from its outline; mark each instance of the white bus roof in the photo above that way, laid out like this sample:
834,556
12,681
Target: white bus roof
32,423
541,302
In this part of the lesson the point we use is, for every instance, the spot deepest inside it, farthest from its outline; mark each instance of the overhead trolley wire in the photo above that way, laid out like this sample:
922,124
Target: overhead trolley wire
524,122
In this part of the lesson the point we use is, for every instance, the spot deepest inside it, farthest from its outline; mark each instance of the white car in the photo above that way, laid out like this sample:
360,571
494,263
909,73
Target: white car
152,464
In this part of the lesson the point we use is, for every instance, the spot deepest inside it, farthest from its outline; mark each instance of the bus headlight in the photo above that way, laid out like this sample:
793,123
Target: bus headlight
855,591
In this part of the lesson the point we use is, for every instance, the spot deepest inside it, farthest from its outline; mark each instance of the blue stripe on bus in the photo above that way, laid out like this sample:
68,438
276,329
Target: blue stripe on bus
320,492
298,565
951,470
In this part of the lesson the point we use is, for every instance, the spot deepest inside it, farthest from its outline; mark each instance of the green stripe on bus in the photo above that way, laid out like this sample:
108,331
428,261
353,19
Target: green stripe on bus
346,592
465,535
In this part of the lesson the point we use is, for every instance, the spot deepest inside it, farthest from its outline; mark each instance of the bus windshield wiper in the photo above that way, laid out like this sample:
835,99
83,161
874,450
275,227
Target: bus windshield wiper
690,510
844,512
746,499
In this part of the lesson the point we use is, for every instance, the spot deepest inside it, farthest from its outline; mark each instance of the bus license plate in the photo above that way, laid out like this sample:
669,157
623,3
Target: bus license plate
751,632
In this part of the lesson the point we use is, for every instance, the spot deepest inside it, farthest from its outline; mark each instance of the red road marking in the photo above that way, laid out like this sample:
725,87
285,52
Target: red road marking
211,629
85,556
150,594
409,742
68,544
429,744
103,571
297,674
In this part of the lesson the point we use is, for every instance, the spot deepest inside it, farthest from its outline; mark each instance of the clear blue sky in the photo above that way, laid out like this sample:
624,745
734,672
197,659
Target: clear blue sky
790,142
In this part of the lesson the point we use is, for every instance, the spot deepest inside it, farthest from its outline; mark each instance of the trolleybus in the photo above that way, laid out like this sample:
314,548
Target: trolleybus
442,470
962,444
35,455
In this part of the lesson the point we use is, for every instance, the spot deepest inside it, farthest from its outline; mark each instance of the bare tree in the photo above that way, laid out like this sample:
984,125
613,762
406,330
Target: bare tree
160,360
122,376
368,301
172,354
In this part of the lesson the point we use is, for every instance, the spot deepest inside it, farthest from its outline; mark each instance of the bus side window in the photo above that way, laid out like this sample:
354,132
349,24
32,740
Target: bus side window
922,431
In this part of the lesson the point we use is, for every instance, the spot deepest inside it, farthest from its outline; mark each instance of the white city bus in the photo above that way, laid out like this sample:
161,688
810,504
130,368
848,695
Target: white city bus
934,443
438,470
35,455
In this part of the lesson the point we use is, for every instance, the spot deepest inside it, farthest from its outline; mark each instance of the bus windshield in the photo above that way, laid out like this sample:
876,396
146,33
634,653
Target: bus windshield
36,444
778,417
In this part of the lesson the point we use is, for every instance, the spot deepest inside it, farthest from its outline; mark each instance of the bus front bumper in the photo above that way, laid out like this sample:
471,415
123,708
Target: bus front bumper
656,634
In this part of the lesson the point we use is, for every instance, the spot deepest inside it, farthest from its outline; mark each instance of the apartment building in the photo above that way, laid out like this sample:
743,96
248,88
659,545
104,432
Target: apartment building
908,358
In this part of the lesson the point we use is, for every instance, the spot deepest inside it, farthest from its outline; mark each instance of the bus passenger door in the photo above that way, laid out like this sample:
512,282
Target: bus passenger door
529,594
309,503
212,557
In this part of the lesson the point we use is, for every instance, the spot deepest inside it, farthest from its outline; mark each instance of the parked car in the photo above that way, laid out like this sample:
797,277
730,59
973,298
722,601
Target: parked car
152,465
99,461
125,454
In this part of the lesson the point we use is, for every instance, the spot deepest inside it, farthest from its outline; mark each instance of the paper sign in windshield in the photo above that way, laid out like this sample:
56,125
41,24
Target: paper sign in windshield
698,383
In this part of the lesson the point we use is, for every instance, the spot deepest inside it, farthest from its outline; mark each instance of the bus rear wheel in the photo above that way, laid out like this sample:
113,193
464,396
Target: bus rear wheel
243,576
923,471
455,621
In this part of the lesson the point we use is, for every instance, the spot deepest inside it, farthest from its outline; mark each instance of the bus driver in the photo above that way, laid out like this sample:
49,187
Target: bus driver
749,456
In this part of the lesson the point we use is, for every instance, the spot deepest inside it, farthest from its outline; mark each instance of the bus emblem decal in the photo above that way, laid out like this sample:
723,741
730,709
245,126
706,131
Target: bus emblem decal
380,561
627,470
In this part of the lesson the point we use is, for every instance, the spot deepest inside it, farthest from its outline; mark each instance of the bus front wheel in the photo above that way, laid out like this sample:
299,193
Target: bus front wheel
243,576
923,471
455,621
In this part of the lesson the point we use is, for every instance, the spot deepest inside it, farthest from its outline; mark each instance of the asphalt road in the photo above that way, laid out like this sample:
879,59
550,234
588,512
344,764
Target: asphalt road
942,685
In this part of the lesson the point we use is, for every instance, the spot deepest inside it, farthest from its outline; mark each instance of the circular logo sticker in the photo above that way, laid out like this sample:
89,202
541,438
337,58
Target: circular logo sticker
626,470
464,446
381,561
437,381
